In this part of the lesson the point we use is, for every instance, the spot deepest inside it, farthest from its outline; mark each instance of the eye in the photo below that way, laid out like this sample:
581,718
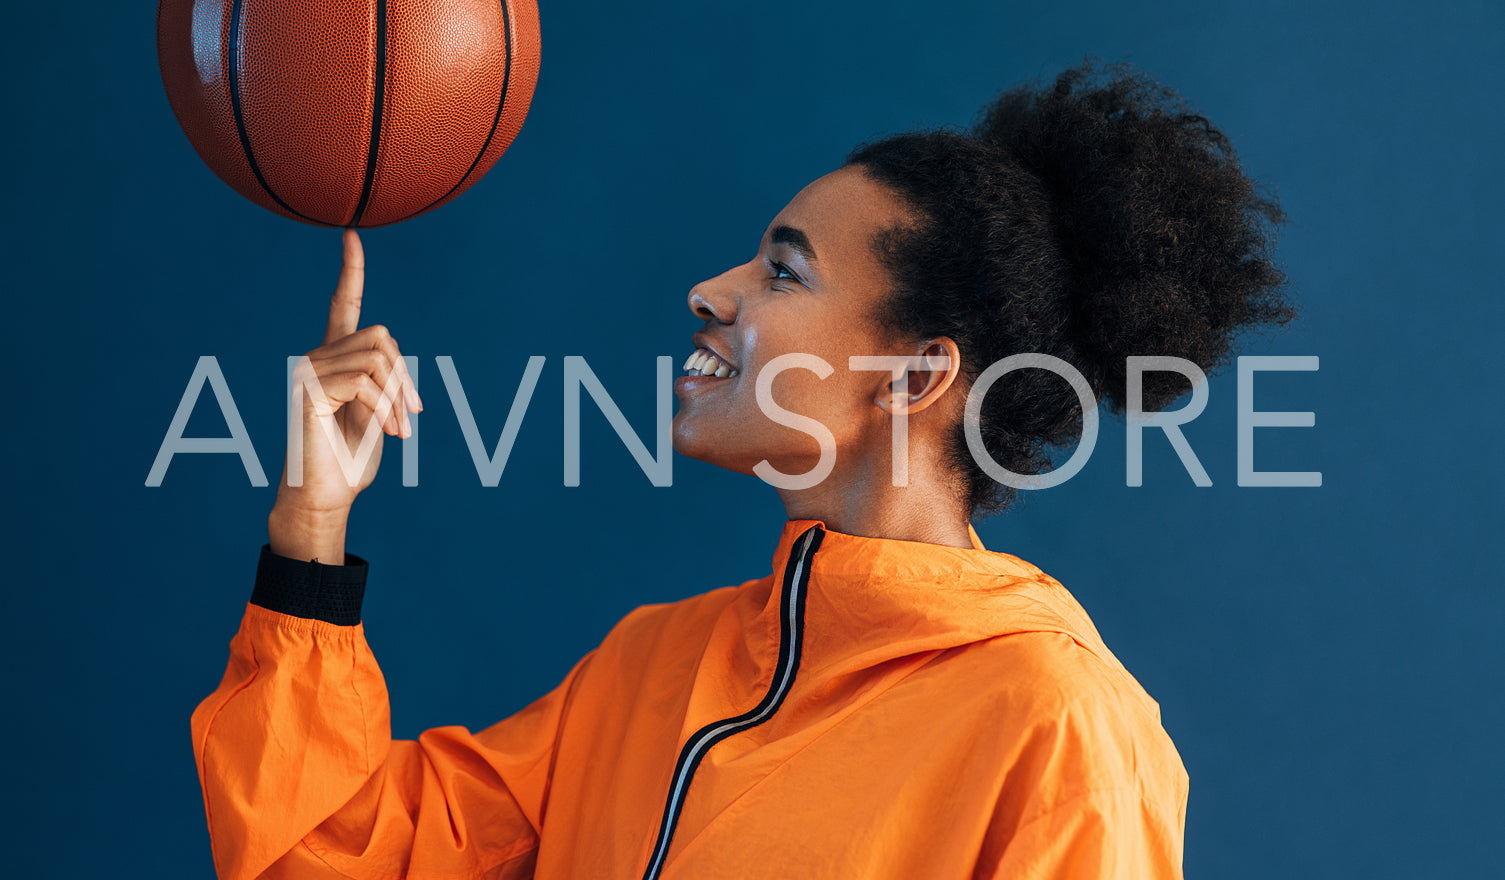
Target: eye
781,272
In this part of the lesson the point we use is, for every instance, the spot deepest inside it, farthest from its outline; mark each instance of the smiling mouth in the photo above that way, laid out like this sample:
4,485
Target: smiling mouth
705,363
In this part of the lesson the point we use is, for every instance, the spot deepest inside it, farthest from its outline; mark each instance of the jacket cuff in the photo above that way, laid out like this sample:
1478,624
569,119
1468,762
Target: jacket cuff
331,593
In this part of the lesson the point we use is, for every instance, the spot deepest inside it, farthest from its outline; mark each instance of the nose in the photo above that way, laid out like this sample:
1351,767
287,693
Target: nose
715,299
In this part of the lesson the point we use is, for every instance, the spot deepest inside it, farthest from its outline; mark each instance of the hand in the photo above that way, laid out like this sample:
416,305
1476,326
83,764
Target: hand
360,375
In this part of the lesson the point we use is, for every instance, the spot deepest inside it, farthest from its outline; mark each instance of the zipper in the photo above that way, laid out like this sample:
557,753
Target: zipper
791,637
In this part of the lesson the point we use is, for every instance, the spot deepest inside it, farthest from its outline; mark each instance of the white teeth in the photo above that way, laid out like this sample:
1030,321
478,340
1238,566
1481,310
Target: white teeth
704,363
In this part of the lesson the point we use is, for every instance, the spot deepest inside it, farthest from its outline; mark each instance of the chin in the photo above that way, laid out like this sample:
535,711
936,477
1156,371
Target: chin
692,441
696,444
688,441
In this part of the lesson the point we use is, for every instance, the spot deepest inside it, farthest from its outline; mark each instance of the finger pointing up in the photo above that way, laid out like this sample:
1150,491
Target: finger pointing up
345,306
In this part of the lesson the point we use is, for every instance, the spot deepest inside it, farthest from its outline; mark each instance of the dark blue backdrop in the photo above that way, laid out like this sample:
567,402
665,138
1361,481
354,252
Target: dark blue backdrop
1328,660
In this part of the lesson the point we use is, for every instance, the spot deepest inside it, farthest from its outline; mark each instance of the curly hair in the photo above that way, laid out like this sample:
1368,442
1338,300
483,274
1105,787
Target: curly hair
1092,219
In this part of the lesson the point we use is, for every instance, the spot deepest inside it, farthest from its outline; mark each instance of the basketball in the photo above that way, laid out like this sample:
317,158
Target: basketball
349,112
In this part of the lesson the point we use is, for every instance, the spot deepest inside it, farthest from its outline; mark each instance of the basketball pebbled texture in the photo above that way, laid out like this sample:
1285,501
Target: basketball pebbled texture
349,112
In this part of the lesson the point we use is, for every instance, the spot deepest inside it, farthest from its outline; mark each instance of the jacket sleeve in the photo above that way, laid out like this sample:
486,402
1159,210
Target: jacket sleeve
1096,790
302,778
1096,836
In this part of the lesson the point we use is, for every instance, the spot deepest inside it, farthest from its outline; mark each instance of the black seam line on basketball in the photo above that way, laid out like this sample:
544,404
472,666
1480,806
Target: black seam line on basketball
791,642
240,123
379,81
496,120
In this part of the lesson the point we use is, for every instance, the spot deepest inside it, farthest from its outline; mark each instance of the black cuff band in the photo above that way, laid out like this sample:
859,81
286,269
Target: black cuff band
331,593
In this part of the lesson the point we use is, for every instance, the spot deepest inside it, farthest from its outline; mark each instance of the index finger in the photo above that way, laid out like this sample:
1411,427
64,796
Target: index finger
345,306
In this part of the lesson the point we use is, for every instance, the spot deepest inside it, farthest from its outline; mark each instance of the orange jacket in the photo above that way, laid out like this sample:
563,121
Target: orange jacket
871,709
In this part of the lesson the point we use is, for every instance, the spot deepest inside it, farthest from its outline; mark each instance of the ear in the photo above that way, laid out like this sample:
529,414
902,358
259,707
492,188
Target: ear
932,370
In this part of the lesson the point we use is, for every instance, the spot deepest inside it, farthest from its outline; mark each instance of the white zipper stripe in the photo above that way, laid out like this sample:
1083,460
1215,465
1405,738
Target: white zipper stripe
774,698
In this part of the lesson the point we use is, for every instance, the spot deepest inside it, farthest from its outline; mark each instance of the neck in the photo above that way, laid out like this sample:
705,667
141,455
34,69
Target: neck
862,500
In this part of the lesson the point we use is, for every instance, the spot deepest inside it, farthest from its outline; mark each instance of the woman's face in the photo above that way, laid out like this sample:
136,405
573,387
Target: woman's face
812,289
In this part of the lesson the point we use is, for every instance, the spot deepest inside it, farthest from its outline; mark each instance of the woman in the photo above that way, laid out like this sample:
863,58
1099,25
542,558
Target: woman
892,699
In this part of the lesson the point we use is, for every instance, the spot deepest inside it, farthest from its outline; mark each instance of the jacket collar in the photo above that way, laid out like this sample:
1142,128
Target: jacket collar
874,599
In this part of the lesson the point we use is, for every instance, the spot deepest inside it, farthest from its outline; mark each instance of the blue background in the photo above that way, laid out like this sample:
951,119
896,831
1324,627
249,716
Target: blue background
1328,661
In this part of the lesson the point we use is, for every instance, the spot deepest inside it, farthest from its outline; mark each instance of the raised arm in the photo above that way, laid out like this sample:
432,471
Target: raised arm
300,774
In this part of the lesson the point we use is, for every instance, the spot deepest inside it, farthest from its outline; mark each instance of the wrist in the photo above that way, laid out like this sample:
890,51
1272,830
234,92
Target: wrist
307,535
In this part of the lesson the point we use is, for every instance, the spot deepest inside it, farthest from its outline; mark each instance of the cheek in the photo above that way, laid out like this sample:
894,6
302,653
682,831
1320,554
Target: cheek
842,401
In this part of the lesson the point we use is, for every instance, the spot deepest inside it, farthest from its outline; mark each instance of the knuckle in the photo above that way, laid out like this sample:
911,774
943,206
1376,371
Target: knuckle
372,360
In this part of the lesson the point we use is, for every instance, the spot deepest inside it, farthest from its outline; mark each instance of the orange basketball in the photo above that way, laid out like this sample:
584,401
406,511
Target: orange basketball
349,112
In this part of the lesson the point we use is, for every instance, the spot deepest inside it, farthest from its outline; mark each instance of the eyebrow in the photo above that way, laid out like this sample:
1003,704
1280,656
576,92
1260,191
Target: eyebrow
796,239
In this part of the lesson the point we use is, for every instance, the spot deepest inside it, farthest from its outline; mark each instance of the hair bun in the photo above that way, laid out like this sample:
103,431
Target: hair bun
1091,219
1165,237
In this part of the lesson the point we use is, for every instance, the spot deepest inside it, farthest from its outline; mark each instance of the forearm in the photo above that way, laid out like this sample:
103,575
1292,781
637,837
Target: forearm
301,776
297,726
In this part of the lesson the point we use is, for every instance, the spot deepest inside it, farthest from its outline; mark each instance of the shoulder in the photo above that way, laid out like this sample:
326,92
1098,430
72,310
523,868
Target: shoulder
1056,703
1074,720
1090,782
1061,660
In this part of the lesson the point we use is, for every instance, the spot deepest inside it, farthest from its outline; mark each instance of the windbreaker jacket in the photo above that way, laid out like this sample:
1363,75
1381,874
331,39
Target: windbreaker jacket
870,709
